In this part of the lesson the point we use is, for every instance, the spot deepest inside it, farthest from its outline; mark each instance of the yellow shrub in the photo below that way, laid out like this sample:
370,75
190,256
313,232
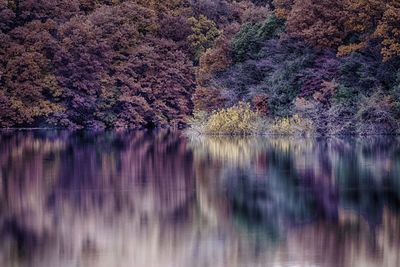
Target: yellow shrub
292,125
236,120
242,120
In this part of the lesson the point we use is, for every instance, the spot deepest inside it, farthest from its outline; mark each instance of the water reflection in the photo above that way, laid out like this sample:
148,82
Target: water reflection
160,199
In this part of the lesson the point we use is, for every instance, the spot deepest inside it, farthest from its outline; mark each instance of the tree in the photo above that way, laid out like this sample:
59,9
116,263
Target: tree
389,31
203,36
156,86
325,69
28,89
363,16
221,12
274,73
369,19
24,93
321,23
117,70
216,59
249,40
395,96
7,17
177,29
79,66
250,13
365,72
208,98
59,11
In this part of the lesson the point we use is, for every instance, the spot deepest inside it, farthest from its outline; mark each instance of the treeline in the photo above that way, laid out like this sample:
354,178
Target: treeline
110,63
95,63
335,63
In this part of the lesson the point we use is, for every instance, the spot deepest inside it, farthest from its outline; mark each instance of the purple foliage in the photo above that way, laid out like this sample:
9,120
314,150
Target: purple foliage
58,10
177,29
220,11
6,17
326,68
274,71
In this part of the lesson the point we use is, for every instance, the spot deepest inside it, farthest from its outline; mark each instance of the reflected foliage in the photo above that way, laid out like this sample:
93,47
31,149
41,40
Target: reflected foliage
161,199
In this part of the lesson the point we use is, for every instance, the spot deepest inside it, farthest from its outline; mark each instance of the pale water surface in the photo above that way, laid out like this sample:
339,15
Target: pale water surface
147,199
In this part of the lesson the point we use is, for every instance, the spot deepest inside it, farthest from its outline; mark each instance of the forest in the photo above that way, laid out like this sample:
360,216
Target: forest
220,66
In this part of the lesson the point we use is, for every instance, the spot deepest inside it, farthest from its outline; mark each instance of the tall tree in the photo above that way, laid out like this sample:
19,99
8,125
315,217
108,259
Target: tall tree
369,19
389,31
156,84
321,23
204,33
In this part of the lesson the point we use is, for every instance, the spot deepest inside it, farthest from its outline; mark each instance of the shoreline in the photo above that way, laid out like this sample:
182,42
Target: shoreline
194,134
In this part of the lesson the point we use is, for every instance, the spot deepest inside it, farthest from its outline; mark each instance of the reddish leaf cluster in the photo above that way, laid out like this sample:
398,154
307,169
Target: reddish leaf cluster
260,103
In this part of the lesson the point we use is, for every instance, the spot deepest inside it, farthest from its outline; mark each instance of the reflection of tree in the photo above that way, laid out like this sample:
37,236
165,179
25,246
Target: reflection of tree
72,194
367,176
261,181
119,162
270,201
149,199
232,150
276,183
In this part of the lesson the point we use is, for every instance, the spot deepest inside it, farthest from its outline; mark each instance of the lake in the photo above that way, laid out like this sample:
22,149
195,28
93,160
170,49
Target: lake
142,198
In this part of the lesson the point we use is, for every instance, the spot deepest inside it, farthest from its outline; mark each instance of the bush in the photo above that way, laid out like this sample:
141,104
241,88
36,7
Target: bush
375,115
395,96
197,122
292,125
241,120
236,120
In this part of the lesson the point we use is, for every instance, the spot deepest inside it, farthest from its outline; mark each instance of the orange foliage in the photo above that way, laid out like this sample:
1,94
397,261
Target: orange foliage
327,91
215,59
282,8
374,19
389,31
364,15
347,49
318,22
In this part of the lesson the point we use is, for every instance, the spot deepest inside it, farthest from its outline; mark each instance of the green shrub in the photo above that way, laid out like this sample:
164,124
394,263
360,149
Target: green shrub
252,37
345,94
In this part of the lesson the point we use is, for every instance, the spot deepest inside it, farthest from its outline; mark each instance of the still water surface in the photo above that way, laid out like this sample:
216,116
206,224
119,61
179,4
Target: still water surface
147,199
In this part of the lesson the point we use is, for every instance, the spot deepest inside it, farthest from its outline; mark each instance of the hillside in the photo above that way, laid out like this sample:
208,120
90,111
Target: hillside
281,66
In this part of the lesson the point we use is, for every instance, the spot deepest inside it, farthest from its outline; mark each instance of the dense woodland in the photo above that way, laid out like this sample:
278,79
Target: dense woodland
156,63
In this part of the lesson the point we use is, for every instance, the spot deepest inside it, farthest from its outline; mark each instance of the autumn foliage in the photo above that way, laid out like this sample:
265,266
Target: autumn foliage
135,63
318,22
94,65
